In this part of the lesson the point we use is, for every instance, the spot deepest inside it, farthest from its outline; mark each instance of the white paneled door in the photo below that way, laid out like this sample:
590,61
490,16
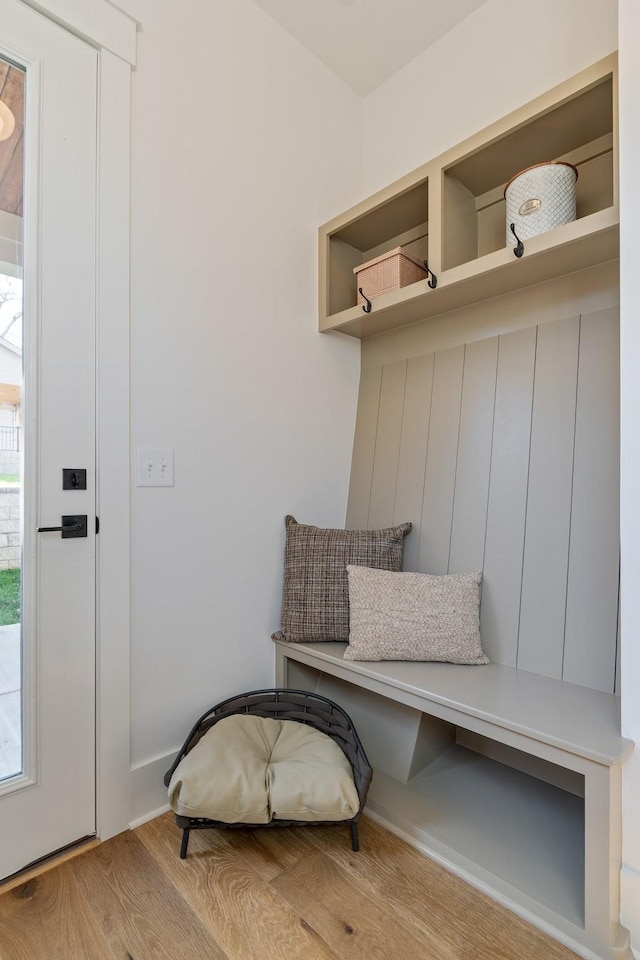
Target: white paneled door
48,91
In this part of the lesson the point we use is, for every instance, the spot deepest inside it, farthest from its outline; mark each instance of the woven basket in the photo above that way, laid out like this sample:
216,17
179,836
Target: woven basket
386,273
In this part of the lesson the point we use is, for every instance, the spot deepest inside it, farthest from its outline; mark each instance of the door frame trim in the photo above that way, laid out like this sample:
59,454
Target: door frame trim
113,493
113,34
100,23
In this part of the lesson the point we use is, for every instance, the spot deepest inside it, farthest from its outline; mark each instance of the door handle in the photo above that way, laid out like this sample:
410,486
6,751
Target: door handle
73,525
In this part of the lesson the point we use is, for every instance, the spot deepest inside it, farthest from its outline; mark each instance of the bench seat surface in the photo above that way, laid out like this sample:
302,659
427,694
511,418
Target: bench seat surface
577,719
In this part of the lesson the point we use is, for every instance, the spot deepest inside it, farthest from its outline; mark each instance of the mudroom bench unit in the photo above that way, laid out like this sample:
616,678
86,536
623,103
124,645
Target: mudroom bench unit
509,778
488,417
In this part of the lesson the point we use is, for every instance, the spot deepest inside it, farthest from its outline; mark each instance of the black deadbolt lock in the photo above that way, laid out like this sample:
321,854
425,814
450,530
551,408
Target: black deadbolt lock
74,479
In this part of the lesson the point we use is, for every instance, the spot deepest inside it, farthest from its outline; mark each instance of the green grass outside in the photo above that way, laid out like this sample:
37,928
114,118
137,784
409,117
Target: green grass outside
9,478
9,596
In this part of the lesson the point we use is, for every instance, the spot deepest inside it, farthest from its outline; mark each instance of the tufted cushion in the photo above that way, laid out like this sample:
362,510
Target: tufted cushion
315,602
249,769
414,616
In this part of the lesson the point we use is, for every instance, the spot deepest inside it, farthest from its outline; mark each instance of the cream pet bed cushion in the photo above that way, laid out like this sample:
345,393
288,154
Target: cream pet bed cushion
250,769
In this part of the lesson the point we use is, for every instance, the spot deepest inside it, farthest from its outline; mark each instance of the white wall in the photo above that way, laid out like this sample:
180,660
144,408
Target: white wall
499,58
242,144
630,454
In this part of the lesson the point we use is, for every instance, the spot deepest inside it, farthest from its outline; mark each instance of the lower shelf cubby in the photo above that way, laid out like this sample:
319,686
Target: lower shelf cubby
520,834
516,833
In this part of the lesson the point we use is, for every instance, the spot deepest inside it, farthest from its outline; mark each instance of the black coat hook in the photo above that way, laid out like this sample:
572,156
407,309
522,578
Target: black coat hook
365,306
433,283
519,248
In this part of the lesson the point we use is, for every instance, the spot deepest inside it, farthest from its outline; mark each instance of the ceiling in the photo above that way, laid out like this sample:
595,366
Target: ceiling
366,41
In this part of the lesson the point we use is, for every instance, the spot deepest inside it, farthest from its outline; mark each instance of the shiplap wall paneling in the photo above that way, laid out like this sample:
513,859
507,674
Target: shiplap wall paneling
471,492
504,548
413,452
442,453
618,685
592,587
503,455
385,461
364,447
546,547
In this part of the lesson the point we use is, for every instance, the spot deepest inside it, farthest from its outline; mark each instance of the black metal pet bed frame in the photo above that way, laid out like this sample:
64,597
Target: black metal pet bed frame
283,704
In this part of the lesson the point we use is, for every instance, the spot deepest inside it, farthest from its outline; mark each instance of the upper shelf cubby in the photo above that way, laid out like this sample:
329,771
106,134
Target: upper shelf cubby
578,131
400,221
452,212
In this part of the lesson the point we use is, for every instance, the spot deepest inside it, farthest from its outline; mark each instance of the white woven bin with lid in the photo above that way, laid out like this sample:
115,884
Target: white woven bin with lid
540,198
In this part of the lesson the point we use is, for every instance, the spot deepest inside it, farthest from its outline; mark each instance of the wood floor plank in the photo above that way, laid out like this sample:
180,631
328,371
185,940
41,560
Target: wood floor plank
47,917
137,908
357,927
49,863
245,915
290,894
269,852
466,922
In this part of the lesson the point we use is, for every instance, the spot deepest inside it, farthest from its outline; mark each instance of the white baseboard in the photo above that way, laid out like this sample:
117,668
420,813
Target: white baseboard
630,906
148,792
149,816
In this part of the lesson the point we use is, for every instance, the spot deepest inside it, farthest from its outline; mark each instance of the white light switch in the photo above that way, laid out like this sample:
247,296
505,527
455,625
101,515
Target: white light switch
154,468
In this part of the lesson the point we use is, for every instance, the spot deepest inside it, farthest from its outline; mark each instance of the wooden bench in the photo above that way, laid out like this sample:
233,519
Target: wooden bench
510,779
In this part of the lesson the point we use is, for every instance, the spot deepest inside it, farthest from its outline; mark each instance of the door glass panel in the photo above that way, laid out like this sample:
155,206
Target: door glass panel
11,439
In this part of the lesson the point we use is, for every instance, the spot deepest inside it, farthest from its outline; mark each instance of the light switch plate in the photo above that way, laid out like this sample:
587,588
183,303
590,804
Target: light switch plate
154,467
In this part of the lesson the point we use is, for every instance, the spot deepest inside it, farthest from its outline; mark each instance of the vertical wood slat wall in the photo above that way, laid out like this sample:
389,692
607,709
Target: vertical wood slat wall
504,455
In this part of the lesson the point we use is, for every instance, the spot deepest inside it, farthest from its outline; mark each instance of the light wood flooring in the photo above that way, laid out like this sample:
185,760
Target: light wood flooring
259,895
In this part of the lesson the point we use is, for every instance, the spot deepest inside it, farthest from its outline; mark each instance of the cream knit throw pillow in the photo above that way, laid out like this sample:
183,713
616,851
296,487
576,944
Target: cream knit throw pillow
414,616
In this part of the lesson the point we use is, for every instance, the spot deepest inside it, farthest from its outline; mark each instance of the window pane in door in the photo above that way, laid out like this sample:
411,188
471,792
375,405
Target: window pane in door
11,440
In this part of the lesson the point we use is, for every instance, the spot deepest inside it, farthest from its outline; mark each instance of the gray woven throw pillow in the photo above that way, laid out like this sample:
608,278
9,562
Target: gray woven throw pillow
315,603
414,616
